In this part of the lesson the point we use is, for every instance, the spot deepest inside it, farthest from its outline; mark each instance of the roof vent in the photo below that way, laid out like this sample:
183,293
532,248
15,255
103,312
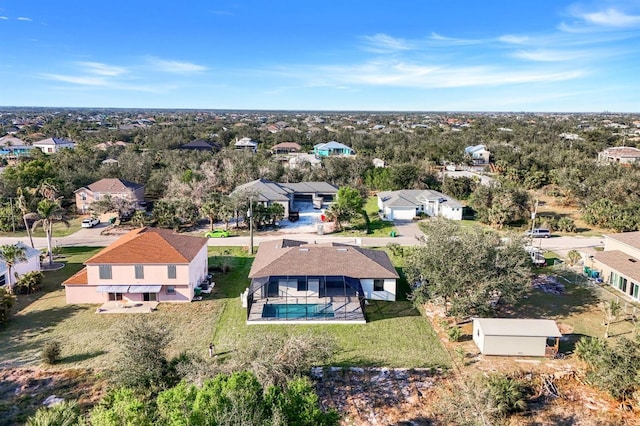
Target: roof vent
632,260
342,249
303,249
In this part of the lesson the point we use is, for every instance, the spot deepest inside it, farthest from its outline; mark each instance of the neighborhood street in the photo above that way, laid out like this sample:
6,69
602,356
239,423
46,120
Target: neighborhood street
408,234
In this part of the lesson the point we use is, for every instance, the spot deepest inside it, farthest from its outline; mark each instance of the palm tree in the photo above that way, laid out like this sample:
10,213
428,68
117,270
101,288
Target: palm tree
49,212
12,254
139,218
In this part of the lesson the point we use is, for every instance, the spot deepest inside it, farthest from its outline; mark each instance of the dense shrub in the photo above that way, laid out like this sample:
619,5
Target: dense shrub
51,352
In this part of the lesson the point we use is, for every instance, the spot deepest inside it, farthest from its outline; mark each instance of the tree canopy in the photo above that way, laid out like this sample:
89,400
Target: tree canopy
466,268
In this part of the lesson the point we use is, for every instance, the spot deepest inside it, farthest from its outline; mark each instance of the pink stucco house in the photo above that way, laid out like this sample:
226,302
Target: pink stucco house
146,264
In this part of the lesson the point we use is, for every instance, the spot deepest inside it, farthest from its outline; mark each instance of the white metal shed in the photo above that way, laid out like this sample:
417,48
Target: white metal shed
515,337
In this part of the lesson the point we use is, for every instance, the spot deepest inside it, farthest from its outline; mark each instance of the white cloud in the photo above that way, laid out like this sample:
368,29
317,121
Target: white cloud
82,80
175,67
405,74
611,18
513,39
542,55
3,18
383,43
23,18
103,69
444,40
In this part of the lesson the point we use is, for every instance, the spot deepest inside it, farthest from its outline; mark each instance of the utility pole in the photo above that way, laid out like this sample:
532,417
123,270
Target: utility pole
13,219
251,224
533,222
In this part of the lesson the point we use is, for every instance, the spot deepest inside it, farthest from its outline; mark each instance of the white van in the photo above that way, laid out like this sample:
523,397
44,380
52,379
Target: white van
538,233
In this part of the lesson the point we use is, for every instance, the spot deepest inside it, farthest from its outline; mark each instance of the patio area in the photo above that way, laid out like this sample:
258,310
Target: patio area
124,307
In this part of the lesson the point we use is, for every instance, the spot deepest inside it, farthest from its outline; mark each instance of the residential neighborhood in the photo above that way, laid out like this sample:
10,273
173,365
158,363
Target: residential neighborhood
253,234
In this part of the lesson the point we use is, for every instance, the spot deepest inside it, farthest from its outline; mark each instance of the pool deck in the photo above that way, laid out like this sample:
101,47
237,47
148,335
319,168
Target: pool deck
346,310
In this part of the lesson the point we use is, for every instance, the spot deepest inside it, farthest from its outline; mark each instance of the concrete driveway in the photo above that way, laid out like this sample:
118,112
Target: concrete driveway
408,229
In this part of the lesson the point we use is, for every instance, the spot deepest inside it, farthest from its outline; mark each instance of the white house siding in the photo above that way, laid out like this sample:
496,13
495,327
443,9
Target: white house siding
289,288
388,294
400,213
452,213
612,244
514,345
31,264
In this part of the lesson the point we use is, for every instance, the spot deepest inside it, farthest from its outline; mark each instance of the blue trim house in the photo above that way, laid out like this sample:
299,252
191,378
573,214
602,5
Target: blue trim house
331,149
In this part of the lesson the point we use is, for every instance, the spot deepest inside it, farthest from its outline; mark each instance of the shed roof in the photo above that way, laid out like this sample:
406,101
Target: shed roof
622,152
518,327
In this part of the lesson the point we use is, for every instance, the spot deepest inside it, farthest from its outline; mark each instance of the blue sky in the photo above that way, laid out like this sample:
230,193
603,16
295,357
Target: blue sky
414,55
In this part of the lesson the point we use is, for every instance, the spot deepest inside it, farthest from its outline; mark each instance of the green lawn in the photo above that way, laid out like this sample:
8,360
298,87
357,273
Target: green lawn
578,308
396,335
59,230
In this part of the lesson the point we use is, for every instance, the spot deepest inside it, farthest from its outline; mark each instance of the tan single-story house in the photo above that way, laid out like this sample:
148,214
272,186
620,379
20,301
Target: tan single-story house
619,264
297,281
619,154
515,337
286,148
145,265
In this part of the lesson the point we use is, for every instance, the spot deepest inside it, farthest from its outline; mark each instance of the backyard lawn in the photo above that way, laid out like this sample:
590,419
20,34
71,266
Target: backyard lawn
396,335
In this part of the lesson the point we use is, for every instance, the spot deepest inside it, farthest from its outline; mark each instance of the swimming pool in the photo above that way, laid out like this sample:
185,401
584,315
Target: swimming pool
297,311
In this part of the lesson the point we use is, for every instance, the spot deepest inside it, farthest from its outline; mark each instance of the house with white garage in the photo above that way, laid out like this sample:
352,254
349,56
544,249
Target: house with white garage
406,204
267,192
516,337
310,283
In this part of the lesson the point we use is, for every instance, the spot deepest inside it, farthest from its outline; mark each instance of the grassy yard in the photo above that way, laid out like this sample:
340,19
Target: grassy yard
59,230
377,226
396,335
577,311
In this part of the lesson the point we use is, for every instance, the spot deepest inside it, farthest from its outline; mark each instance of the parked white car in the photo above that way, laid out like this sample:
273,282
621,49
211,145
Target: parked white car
91,222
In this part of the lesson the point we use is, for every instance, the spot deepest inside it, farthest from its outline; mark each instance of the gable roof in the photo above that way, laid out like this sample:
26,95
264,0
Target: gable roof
54,141
475,148
622,152
200,144
112,185
291,257
287,145
150,245
267,190
307,187
246,142
416,198
29,252
332,145
518,327
78,278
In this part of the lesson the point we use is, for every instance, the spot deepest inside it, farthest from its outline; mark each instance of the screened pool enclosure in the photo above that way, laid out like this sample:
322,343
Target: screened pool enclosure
307,298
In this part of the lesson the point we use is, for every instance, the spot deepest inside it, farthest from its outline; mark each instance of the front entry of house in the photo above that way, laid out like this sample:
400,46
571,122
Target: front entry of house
149,297
115,296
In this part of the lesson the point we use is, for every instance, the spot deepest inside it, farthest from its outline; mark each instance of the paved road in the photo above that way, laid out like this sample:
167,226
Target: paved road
408,232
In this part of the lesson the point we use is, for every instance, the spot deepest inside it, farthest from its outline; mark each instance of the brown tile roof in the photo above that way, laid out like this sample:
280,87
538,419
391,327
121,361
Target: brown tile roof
622,152
621,262
290,257
79,277
287,145
113,185
150,245
629,238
